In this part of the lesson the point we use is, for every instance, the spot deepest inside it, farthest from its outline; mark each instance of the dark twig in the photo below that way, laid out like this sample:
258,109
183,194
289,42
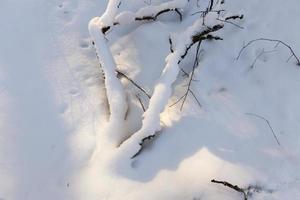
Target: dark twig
133,83
171,44
184,72
205,11
141,103
234,17
203,35
196,62
234,187
259,55
269,40
188,90
149,138
247,192
147,18
267,121
198,102
211,4
232,23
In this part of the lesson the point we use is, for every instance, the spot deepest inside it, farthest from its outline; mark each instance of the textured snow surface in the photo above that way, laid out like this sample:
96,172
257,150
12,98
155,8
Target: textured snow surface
59,125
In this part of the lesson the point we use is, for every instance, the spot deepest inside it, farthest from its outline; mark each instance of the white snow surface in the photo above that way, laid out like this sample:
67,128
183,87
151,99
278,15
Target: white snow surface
57,136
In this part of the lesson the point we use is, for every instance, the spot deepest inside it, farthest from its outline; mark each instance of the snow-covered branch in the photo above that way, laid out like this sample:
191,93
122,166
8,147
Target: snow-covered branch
147,13
163,89
114,89
180,44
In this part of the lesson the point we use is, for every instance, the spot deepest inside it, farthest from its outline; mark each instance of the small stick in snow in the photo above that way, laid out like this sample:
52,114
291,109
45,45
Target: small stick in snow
140,101
269,40
205,11
142,144
259,55
189,90
232,23
267,121
234,17
147,18
196,62
211,4
133,83
247,192
234,187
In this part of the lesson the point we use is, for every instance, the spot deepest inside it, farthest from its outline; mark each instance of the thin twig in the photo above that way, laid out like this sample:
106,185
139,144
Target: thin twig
133,83
234,187
196,62
267,121
269,40
197,100
259,55
142,144
146,18
141,103
204,11
232,23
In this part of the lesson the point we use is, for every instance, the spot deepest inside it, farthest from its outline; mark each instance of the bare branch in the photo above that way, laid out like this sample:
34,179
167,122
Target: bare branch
261,54
147,18
234,187
269,40
267,121
141,103
149,138
234,17
133,83
232,23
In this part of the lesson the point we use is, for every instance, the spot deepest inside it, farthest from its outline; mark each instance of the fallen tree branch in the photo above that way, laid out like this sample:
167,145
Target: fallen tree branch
115,93
162,91
179,46
269,40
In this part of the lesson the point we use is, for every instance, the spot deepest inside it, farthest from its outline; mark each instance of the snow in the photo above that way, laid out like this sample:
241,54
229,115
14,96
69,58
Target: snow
58,132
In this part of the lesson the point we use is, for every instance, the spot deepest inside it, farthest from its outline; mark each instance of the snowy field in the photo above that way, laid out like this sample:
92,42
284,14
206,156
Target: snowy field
71,127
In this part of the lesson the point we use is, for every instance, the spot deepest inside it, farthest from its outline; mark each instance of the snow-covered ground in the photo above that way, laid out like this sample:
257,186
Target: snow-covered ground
57,139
